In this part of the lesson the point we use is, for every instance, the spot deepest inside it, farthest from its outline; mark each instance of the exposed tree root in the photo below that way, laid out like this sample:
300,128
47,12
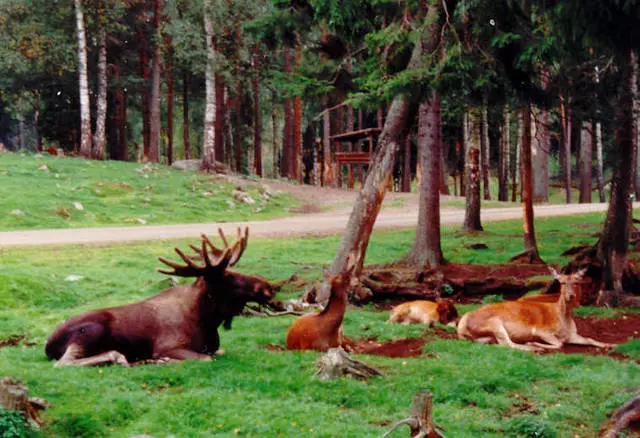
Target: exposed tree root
529,257
337,363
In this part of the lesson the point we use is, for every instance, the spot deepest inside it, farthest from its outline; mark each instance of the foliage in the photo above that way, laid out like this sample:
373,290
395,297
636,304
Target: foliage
14,425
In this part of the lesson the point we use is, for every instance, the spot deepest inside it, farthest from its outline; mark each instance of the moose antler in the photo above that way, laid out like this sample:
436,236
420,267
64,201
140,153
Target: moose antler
242,240
222,259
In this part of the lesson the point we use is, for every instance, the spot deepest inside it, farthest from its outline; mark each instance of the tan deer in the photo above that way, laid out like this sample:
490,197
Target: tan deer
425,312
529,325
178,323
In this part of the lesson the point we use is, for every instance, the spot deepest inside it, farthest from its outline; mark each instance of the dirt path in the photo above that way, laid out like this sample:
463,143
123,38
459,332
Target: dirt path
308,221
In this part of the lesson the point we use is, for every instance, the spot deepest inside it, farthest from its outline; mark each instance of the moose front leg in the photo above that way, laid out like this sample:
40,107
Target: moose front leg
185,354
73,356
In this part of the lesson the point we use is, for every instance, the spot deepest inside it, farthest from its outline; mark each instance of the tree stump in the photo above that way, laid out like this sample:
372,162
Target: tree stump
14,396
337,363
420,421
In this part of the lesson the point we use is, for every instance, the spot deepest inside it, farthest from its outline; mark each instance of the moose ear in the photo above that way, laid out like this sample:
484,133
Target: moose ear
554,273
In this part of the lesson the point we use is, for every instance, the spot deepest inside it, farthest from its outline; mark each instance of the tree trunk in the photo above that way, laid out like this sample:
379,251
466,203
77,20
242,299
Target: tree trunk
327,171
427,250
586,151
505,146
154,104
186,126
406,166
170,103
530,245
237,131
485,160
36,120
209,141
599,168
257,116
274,127
515,170
100,138
83,81
219,119
21,131
472,171
286,168
145,75
297,127
614,241
365,210
565,114
540,156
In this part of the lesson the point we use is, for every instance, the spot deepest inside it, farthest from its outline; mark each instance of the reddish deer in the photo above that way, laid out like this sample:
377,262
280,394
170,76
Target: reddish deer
321,331
425,312
178,323
529,325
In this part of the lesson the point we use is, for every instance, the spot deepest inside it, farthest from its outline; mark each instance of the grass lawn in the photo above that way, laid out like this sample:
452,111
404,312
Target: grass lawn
479,390
40,191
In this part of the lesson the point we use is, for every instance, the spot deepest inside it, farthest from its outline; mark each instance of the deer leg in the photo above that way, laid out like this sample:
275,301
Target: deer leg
502,337
576,339
184,354
73,356
552,341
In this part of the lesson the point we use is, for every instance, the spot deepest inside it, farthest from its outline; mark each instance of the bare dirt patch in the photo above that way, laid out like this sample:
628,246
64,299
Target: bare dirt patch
11,342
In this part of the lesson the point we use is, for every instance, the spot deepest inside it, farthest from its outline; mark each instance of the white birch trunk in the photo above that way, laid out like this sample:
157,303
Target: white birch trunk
83,80
99,139
208,146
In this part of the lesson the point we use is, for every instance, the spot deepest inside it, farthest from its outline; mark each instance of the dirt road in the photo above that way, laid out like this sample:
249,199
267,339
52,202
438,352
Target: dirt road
303,224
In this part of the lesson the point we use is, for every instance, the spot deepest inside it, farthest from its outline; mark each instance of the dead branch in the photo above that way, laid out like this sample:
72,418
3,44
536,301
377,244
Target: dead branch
420,422
337,363
622,417
263,311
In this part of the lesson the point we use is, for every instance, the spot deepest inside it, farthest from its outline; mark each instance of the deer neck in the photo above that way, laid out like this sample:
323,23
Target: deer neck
564,305
333,313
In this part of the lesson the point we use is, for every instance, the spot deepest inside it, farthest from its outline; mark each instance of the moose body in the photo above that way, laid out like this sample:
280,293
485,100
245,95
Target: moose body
178,323
526,324
425,312
323,330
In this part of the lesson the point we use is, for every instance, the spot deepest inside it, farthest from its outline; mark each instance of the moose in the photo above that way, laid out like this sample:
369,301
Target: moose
529,325
178,323
425,312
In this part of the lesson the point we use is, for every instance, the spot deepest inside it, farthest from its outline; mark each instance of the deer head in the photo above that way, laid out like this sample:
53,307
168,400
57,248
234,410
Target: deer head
568,283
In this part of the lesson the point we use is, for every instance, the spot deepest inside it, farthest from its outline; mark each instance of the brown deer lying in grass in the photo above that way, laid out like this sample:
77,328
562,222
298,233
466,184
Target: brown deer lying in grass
321,331
178,323
529,325
425,312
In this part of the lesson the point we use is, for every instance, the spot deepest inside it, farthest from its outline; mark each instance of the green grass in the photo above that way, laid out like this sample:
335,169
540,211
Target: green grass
47,192
479,390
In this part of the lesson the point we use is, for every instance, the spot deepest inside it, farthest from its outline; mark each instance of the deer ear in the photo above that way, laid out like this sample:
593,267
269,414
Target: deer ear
554,273
580,274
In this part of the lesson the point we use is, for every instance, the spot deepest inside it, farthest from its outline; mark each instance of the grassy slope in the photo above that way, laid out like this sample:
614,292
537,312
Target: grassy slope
479,390
45,189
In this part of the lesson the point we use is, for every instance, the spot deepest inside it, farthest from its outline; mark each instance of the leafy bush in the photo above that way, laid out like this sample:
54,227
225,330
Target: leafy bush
13,425
530,427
